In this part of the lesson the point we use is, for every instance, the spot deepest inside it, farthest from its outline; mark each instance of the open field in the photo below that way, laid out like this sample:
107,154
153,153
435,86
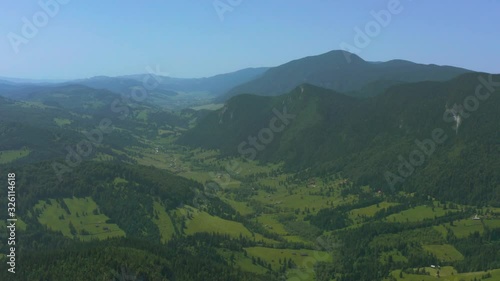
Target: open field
445,253
20,224
272,224
62,121
447,273
83,215
418,213
203,222
163,221
465,227
370,210
278,194
393,255
7,156
304,260
241,207
242,261
34,104
492,223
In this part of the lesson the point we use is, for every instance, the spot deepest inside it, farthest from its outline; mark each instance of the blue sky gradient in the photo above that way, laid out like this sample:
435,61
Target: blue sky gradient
188,38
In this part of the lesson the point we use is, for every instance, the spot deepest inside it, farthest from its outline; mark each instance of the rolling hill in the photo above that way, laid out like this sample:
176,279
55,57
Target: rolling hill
370,139
333,71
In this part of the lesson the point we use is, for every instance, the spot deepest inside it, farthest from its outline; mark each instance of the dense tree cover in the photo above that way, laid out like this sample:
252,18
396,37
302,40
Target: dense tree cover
159,118
34,129
352,75
330,133
50,120
189,259
91,178
358,256
130,204
366,139
46,255
337,218
481,252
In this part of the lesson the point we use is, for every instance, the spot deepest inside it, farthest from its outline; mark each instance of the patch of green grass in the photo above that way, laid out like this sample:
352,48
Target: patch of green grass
422,236
370,210
418,213
241,261
466,227
247,168
198,176
492,223
34,104
212,106
20,224
441,229
446,273
162,220
241,207
204,222
119,180
7,156
142,115
445,253
395,255
303,259
299,199
296,239
62,121
165,132
82,216
272,224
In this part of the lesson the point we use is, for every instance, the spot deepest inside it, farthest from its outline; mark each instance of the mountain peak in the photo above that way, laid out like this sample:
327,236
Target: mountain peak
343,72
344,56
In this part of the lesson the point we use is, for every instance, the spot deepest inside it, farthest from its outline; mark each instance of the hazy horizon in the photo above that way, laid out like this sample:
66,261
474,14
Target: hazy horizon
72,40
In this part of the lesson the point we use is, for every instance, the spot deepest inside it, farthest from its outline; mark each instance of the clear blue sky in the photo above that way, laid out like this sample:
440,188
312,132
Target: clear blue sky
186,38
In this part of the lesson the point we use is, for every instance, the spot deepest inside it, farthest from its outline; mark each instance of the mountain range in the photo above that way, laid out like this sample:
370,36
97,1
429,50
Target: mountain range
370,140
332,70
318,169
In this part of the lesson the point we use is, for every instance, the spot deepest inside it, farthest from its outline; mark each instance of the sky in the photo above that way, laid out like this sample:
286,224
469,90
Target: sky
69,39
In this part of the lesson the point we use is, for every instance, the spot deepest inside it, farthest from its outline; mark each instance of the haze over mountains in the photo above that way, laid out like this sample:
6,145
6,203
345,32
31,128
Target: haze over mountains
332,70
337,131
215,85
245,175
344,72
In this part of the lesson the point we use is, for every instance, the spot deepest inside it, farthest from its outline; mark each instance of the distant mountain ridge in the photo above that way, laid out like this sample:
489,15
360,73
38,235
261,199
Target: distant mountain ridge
215,85
7,80
333,71
160,91
169,86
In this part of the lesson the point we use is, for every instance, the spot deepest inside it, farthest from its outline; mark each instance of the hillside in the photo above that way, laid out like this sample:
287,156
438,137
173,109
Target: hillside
333,71
364,138
150,208
118,201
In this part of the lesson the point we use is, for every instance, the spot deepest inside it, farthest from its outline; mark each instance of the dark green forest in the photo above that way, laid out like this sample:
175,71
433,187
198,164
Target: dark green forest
375,176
